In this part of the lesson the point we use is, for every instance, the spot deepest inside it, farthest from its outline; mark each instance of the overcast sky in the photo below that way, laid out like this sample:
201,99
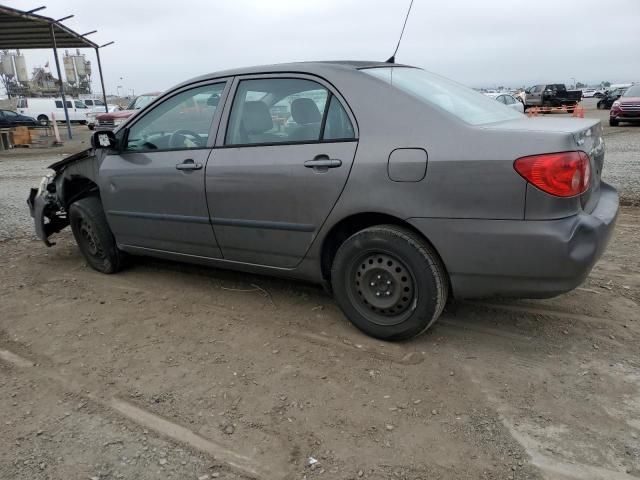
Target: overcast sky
479,43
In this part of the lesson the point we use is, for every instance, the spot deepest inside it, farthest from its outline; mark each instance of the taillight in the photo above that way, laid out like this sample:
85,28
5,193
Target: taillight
563,174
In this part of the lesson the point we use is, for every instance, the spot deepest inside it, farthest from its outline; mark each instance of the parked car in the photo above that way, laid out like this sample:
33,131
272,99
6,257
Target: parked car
552,95
9,118
612,95
510,101
394,217
97,105
91,116
626,108
42,109
588,92
111,120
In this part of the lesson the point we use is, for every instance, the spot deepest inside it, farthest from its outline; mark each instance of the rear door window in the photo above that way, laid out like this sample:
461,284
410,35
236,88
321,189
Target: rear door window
286,110
276,110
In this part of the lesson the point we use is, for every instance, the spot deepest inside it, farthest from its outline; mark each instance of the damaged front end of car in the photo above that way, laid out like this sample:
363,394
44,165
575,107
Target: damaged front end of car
49,202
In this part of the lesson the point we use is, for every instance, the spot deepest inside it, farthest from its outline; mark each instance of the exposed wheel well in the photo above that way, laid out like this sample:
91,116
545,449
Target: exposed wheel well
350,225
77,187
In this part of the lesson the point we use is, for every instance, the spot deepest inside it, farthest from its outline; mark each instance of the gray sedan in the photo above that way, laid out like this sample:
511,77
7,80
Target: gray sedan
395,188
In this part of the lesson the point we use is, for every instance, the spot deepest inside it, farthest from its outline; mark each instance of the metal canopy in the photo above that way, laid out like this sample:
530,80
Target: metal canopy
24,30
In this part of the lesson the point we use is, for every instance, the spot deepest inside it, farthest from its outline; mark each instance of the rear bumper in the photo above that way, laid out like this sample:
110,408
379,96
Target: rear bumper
520,258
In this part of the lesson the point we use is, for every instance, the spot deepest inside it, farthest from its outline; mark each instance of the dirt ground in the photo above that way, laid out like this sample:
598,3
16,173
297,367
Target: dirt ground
181,372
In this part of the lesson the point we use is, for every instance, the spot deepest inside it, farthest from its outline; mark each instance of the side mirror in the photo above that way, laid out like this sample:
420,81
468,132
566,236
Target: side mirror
104,139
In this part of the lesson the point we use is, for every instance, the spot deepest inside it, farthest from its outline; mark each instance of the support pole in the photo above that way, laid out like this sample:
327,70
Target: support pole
64,100
104,92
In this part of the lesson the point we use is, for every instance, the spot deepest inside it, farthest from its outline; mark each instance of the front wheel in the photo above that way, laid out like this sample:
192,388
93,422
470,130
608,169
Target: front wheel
613,122
389,282
43,120
93,235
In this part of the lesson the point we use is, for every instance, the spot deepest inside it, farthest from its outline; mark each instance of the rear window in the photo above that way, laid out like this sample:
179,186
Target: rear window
465,103
633,91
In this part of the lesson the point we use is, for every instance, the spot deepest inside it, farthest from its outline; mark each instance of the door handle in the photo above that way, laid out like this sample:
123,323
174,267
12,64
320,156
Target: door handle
189,164
323,162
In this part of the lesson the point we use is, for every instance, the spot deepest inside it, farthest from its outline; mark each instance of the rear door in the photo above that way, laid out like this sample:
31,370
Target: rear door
280,167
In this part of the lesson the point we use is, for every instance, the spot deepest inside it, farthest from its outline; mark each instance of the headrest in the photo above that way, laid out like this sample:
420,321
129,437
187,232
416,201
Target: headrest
256,117
305,111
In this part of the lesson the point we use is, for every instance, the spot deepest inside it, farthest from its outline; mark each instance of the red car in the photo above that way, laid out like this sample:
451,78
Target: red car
113,119
626,108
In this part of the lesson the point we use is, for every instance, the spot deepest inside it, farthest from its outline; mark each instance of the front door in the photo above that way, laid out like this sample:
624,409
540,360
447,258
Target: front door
153,189
279,170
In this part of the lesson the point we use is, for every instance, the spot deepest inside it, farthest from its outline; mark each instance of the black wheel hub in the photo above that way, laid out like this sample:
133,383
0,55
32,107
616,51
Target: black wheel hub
90,239
382,284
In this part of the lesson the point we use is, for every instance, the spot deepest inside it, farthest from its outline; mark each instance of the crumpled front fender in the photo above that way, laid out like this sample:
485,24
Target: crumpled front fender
48,216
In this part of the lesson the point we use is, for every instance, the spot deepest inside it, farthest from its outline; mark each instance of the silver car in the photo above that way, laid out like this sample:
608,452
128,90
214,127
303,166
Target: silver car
392,186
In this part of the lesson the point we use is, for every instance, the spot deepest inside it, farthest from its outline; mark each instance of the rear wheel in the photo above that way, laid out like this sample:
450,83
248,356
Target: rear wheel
389,282
93,235
43,120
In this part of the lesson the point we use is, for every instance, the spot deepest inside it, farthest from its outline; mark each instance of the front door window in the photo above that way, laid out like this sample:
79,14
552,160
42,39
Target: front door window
182,122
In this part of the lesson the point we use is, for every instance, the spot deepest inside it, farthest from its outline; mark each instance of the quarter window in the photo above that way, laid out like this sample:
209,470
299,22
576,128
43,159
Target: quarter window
58,103
181,122
338,126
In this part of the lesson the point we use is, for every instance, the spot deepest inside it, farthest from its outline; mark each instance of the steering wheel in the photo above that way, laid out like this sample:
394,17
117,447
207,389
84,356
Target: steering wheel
178,138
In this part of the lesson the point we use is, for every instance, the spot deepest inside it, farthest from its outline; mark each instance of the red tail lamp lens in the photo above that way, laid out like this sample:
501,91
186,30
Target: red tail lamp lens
563,174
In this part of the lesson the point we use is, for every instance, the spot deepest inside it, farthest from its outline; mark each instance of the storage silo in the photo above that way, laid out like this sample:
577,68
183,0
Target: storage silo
69,71
6,65
79,62
21,69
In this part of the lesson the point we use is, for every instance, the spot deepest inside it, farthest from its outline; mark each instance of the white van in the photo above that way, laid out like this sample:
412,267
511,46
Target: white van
42,108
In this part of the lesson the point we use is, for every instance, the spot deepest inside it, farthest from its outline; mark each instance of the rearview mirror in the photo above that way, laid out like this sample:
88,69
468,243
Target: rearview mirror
103,139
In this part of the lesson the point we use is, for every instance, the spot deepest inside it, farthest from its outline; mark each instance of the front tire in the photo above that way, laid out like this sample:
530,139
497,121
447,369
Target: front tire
613,122
389,282
43,120
93,235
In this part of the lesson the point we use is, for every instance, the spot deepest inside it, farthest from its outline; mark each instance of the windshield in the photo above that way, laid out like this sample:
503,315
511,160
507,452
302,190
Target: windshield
463,102
141,102
633,91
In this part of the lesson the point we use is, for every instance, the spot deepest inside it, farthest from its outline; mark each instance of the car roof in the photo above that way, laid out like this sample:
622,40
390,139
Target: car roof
312,67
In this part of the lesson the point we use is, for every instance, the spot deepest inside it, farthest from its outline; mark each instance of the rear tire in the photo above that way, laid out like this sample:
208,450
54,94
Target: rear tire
389,282
43,120
93,235
613,122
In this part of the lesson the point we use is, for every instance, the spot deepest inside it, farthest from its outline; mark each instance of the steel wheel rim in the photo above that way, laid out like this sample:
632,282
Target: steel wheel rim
90,239
382,288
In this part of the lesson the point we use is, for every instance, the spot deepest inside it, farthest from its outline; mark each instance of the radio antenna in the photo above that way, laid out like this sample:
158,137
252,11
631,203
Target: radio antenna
392,59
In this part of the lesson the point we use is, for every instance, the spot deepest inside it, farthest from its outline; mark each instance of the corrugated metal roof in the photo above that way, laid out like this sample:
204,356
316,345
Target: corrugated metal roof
26,30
